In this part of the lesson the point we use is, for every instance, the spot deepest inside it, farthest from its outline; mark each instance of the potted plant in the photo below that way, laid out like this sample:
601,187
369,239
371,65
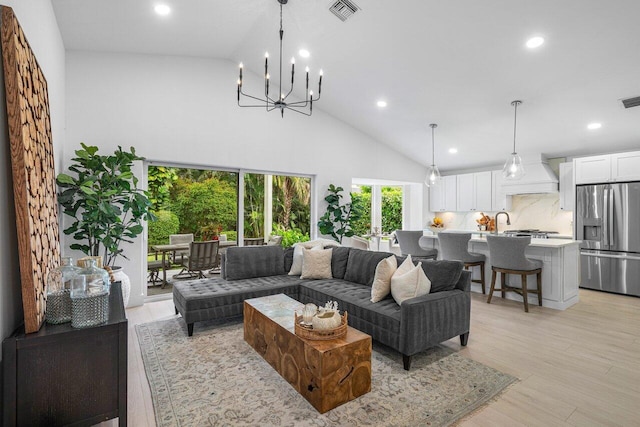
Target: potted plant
105,203
338,219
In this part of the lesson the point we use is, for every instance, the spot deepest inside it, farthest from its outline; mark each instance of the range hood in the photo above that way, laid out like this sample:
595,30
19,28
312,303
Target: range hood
538,177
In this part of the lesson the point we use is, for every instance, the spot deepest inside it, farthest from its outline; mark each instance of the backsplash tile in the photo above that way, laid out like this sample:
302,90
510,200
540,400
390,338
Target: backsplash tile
535,211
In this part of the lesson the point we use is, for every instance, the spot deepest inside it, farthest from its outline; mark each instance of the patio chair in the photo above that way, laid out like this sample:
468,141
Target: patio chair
202,256
254,241
274,241
181,256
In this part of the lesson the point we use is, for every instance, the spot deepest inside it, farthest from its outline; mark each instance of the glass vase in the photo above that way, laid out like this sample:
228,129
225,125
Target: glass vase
59,291
89,296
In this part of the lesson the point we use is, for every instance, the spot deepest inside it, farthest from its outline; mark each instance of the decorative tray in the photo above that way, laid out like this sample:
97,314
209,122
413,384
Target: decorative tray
307,331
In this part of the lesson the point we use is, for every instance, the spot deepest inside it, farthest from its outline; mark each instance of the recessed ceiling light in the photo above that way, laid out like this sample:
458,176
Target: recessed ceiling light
594,126
535,42
453,150
304,53
162,9
382,104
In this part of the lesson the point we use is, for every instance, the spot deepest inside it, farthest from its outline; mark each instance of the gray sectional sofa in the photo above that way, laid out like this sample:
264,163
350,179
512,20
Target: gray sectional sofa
414,326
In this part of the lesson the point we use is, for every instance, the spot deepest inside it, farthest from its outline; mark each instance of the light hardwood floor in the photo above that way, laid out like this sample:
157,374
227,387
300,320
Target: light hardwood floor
579,367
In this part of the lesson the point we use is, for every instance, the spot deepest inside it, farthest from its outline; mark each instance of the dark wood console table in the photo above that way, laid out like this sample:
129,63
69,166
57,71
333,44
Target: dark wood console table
64,376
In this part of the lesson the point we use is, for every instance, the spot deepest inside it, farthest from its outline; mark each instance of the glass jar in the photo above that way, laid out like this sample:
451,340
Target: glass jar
59,291
89,296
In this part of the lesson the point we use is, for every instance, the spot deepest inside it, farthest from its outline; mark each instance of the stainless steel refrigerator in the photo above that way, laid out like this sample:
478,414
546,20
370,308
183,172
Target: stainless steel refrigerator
608,223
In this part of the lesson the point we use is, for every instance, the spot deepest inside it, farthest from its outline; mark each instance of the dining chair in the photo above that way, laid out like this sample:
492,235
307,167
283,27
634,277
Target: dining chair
360,243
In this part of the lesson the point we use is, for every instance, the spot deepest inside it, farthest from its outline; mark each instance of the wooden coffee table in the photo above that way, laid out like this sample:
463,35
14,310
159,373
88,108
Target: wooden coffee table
326,373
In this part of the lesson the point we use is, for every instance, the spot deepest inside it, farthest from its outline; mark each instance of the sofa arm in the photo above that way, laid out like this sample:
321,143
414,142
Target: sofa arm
430,319
464,282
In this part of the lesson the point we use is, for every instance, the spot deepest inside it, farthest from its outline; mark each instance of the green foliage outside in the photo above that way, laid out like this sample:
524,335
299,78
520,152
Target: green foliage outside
253,205
391,209
205,202
289,237
362,225
160,181
205,206
166,223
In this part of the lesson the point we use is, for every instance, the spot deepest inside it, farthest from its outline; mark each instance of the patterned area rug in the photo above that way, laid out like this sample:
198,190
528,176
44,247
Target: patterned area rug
216,379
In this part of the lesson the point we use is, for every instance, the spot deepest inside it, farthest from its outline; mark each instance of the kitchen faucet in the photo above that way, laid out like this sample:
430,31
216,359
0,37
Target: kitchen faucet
496,218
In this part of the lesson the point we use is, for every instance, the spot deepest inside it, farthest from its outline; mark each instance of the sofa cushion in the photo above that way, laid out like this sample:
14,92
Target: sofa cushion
361,266
265,261
382,280
288,258
409,284
207,294
339,259
296,266
443,274
381,320
316,264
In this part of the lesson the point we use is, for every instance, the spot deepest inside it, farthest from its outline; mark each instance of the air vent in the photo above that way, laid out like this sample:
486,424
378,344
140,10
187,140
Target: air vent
631,102
343,9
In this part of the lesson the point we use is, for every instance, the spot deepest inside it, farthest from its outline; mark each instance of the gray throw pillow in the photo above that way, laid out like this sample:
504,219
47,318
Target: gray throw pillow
443,274
339,259
361,266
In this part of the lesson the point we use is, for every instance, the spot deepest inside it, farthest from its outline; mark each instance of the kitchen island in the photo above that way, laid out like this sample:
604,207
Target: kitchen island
560,270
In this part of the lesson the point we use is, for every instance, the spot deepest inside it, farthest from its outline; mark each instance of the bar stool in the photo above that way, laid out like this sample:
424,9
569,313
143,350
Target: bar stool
408,241
507,257
455,246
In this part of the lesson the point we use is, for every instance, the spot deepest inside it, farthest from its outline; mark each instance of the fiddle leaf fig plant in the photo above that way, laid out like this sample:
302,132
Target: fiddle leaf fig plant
338,219
103,199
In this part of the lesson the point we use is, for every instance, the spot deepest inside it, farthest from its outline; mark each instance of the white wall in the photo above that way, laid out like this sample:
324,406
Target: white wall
39,24
183,109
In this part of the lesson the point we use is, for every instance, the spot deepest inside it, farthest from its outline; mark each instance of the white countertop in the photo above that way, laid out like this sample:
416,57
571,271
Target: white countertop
543,243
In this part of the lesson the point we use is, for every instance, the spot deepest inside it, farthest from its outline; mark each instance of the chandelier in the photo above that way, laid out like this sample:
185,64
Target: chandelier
279,101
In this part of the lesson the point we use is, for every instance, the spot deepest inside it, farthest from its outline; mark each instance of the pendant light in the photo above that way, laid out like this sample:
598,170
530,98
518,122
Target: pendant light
513,168
433,174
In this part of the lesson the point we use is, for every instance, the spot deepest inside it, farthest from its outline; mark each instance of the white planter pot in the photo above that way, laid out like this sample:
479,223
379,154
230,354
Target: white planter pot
120,276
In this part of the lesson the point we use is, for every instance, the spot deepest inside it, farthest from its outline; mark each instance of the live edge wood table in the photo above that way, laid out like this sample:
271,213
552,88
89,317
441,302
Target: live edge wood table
65,376
326,373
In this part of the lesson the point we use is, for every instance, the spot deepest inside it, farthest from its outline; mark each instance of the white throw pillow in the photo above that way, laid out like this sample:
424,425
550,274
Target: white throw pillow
409,284
296,265
316,264
382,279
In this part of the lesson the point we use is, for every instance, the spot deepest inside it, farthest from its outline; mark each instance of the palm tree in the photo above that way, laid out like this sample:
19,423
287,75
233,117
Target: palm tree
291,187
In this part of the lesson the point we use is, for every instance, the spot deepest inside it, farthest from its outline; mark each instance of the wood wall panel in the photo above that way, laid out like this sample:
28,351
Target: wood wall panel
33,169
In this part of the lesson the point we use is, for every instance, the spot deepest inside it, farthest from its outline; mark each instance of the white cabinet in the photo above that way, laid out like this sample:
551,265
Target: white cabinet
625,166
500,200
607,168
442,197
567,187
474,191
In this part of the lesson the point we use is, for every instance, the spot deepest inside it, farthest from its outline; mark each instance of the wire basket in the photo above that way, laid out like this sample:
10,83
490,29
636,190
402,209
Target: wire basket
89,310
309,333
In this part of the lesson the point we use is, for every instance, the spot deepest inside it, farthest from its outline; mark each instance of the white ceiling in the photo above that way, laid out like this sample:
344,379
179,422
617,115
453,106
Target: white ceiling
455,63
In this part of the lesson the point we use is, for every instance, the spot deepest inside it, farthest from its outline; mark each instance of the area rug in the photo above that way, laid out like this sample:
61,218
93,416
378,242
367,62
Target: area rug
216,379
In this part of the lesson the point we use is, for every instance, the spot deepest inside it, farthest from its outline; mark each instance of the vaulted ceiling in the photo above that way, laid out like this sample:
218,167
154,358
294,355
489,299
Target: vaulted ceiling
455,63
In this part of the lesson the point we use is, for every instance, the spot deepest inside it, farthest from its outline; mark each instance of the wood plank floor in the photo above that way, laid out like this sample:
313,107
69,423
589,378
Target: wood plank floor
579,367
